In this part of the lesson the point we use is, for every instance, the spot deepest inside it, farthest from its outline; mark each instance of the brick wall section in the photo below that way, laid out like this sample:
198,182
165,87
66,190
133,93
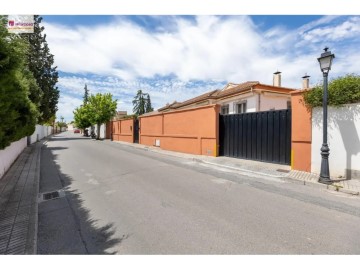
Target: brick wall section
122,130
301,133
193,131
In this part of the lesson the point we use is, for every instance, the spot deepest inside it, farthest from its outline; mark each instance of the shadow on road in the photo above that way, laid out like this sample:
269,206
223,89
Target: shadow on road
65,225
59,137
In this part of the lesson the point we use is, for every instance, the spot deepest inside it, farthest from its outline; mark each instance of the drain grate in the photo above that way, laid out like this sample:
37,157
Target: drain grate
51,195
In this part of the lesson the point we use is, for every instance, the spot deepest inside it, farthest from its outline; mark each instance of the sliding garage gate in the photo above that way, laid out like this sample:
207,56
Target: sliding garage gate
262,136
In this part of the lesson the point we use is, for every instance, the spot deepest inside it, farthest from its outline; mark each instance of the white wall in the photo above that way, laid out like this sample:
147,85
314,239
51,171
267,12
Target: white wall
9,154
251,101
343,140
40,133
269,102
102,131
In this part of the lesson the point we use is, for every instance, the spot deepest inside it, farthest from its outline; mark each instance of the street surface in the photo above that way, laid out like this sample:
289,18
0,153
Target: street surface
118,199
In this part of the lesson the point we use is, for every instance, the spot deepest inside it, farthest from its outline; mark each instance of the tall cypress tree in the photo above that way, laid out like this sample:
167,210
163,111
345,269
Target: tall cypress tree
41,64
148,107
86,95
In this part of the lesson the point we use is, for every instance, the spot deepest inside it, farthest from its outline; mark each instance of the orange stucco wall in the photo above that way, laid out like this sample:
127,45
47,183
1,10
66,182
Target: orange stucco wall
122,130
300,133
193,131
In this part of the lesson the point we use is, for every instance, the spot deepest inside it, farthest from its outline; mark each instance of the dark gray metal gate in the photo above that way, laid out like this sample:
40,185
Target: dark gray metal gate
136,131
262,136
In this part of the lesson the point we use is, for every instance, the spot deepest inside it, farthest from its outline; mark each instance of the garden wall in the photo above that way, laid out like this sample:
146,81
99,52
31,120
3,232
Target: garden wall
193,131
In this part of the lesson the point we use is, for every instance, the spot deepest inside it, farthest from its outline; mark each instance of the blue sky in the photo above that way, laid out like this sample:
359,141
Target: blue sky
179,57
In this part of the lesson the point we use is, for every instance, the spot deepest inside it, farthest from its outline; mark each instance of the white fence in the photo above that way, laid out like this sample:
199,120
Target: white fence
343,140
10,153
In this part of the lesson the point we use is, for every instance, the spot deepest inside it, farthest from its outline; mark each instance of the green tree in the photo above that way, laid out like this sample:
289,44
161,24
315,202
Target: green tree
61,123
41,64
142,103
81,117
100,109
341,91
17,113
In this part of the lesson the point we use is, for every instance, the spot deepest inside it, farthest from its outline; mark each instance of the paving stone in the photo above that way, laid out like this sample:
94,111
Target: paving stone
7,221
23,217
18,203
16,250
4,241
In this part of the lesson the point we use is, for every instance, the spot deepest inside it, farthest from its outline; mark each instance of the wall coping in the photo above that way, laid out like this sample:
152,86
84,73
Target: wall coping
298,92
180,111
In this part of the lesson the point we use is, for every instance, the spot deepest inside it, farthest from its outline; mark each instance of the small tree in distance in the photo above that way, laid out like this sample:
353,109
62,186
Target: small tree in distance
81,117
100,109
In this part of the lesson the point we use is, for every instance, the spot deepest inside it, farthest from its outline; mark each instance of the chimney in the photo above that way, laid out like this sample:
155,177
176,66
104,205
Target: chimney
277,79
305,82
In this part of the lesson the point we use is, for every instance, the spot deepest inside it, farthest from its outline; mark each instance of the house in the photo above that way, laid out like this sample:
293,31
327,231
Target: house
119,115
251,96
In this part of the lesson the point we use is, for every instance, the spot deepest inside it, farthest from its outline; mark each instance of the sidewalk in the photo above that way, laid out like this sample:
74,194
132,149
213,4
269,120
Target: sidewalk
18,203
261,168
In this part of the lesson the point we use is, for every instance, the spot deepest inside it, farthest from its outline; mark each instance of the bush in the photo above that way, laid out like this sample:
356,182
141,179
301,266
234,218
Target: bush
17,113
342,90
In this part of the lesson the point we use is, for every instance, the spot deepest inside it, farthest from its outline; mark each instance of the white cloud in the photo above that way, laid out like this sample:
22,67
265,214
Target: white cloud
66,106
126,57
210,48
347,29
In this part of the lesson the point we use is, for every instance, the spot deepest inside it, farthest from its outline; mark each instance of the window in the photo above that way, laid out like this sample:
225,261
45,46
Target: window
225,109
241,107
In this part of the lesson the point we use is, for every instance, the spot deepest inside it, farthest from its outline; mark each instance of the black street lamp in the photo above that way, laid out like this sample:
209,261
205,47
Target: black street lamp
325,61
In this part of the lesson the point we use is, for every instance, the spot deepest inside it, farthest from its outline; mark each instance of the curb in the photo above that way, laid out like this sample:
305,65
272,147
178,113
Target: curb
38,166
311,179
31,249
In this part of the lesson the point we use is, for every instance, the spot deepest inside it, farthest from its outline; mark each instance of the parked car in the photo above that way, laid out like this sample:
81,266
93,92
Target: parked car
76,130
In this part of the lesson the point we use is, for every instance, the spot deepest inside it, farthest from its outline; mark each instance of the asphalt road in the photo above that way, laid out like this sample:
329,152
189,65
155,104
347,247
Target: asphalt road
118,199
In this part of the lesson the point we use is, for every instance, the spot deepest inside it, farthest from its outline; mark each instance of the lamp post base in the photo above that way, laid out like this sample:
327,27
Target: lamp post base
326,181
324,170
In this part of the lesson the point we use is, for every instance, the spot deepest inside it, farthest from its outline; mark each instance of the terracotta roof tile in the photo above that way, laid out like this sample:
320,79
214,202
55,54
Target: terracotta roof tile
240,87
197,99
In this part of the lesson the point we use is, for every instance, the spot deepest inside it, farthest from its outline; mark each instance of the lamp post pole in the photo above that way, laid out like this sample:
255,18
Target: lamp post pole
325,61
324,171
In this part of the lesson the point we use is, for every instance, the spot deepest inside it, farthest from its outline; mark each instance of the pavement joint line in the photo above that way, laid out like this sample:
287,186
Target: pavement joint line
239,169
